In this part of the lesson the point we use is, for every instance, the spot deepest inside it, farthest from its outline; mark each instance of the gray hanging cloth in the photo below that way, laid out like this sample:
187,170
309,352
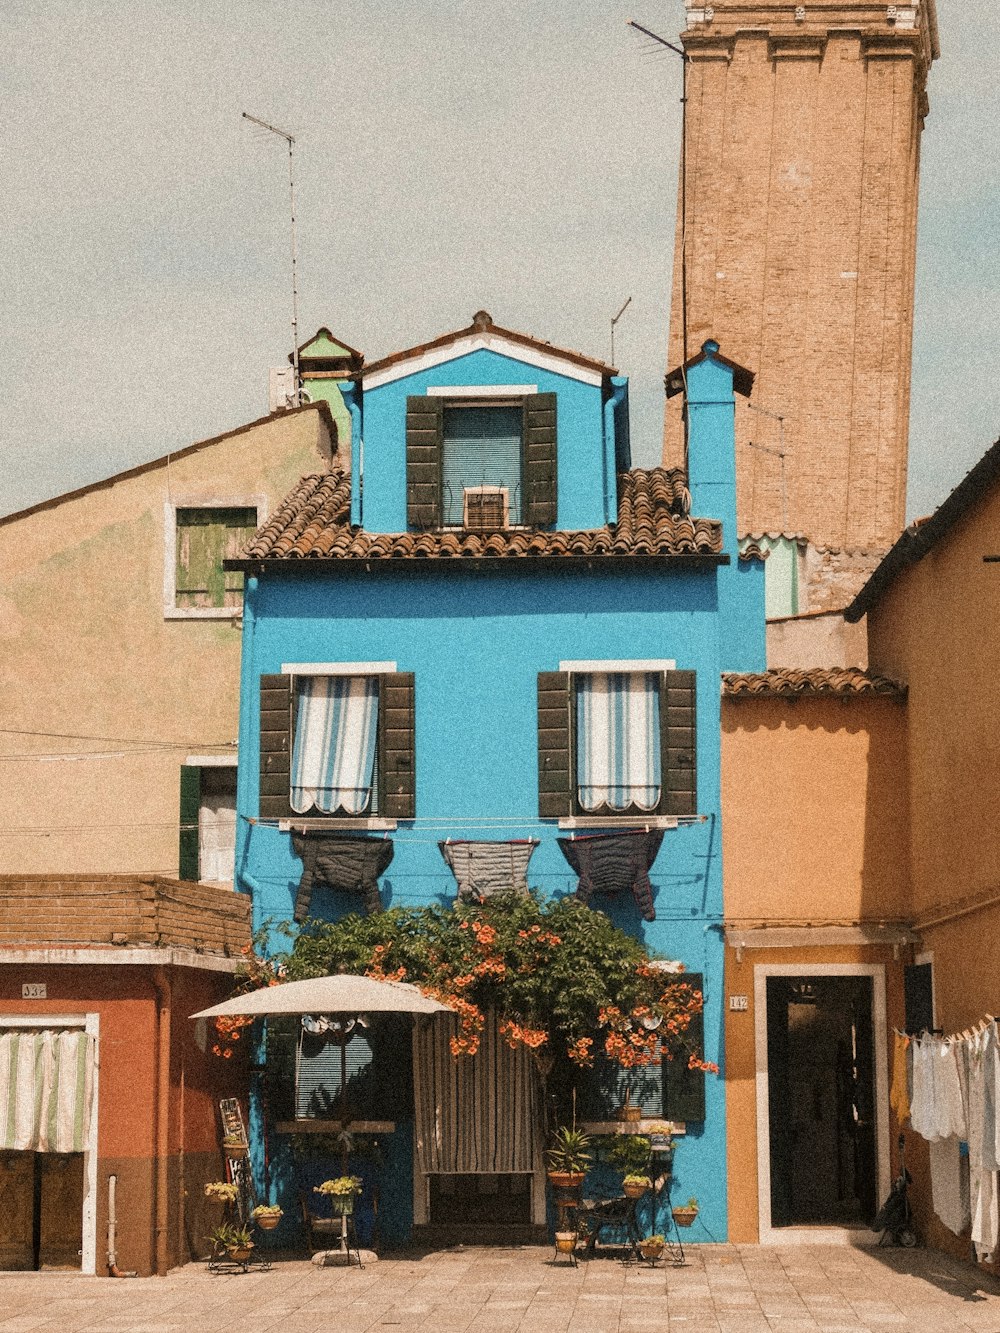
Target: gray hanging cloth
483,869
344,862
611,862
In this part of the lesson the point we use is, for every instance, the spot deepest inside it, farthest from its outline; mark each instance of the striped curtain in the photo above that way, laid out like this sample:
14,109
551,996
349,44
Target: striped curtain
618,740
477,1115
333,759
46,1089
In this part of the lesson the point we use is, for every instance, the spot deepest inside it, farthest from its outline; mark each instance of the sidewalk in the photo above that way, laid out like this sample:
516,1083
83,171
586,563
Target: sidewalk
725,1289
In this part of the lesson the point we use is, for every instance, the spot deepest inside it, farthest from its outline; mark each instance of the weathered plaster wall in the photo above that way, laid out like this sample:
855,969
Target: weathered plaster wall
85,651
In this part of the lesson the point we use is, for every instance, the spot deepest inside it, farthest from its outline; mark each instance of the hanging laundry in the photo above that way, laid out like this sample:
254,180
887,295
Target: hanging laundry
611,862
899,1093
950,1184
342,862
483,869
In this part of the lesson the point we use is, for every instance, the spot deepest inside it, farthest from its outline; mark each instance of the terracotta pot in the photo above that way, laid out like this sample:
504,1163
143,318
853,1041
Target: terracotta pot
566,1180
651,1249
634,1191
240,1253
684,1217
565,1242
630,1114
267,1221
236,1149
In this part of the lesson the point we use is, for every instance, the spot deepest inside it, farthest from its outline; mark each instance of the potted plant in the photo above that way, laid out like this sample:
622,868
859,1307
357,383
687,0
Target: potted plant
651,1247
635,1186
565,1242
240,1244
661,1139
222,1191
341,1191
220,1238
234,1145
569,1154
685,1215
267,1216
627,1112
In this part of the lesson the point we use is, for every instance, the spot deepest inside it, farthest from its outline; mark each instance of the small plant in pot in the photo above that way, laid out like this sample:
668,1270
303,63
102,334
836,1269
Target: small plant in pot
651,1247
220,1238
222,1191
240,1244
341,1191
267,1216
569,1155
685,1215
635,1186
233,1145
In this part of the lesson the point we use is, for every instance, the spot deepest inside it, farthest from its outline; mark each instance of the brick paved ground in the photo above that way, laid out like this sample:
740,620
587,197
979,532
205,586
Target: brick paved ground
726,1289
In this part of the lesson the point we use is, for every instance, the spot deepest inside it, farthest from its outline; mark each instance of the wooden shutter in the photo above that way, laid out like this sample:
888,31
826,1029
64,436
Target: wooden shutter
281,1042
397,746
424,434
555,769
190,807
678,741
540,460
918,997
683,1088
275,746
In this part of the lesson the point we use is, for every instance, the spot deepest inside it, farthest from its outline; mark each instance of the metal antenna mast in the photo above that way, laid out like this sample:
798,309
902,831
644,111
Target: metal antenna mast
290,140
614,321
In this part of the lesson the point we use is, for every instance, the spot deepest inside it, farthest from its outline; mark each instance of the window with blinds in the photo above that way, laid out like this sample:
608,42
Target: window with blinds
481,465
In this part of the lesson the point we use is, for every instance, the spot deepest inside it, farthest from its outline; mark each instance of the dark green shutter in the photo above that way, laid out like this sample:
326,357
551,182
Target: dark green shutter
424,434
918,998
397,746
555,771
678,741
540,487
275,747
683,1088
282,1040
187,857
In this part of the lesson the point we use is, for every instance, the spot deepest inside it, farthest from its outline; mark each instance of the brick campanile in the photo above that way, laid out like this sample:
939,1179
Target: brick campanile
803,139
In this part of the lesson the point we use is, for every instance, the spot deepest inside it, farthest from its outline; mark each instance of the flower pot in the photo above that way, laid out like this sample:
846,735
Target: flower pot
630,1114
684,1217
566,1180
342,1204
236,1149
651,1249
565,1242
267,1221
240,1253
634,1190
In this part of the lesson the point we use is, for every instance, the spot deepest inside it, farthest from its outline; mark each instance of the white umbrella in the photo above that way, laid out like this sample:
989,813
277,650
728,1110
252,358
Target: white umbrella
329,995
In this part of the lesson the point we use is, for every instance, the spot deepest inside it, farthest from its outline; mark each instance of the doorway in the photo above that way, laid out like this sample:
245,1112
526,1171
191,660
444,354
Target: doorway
820,1068
41,1222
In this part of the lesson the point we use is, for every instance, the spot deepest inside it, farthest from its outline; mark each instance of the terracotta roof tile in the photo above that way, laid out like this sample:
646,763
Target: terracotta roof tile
790,681
313,522
752,551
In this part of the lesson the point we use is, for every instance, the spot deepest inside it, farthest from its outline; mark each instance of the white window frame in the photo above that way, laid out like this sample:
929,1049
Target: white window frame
91,1024
171,611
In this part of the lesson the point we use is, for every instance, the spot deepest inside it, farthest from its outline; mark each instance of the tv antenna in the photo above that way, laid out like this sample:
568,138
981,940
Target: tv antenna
614,321
296,397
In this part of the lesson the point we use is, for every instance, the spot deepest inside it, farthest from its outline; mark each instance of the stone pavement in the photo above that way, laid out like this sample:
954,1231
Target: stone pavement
724,1288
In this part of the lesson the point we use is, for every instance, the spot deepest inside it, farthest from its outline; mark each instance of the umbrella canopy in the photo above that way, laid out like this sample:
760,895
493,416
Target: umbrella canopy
329,995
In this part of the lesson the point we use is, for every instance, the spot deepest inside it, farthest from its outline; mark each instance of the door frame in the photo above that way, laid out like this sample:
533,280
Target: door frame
91,1024
823,1235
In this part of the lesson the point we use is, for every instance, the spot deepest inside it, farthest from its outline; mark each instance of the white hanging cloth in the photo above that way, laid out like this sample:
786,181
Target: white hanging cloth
46,1089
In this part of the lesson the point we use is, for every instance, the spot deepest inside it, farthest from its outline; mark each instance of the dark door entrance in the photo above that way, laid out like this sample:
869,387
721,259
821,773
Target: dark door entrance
460,1200
821,1096
41,1219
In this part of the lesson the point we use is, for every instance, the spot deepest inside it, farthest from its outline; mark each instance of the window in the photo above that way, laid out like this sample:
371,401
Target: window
337,743
481,464
616,743
207,848
312,1074
198,540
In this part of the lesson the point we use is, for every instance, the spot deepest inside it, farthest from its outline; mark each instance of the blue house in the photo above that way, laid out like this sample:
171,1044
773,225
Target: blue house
484,652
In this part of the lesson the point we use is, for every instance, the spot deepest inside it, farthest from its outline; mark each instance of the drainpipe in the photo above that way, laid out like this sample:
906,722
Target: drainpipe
161,983
113,1269
619,383
351,393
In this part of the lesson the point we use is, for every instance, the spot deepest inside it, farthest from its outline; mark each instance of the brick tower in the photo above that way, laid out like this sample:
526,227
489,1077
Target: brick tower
803,138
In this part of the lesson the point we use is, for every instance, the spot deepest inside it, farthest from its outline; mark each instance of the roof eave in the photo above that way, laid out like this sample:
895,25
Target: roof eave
369,564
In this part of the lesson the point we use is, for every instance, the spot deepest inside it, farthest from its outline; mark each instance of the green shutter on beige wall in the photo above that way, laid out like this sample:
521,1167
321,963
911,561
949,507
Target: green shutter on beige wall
684,1088
275,746
540,460
424,435
555,789
397,746
206,537
678,738
188,867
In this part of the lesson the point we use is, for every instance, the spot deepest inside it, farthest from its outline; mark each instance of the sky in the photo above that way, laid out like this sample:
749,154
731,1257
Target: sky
450,156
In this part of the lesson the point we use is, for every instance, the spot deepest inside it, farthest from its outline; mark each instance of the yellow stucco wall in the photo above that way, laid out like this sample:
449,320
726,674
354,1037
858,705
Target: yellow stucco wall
86,651
814,808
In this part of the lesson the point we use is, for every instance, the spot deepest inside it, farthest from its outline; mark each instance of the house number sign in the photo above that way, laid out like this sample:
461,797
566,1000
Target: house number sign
739,1003
33,990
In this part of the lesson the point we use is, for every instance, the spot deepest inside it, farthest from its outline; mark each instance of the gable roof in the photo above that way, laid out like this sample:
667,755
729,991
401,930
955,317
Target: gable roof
483,333
324,347
673,381
313,524
924,533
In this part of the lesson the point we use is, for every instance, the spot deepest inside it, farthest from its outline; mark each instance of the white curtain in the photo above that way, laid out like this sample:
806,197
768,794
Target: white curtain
46,1089
333,760
618,740
477,1114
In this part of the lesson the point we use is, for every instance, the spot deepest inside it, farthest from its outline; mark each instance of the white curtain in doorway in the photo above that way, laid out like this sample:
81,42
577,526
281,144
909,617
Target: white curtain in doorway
46,1089
475,1114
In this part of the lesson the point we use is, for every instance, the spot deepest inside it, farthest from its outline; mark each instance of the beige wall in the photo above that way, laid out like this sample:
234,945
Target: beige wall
802,151
814,809
86,651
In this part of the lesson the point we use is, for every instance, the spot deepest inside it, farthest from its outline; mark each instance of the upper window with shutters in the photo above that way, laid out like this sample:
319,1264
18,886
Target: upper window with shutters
616,743
337,745
198,538
481,465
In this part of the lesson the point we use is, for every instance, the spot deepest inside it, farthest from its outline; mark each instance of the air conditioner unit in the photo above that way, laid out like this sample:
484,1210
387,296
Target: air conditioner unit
484,508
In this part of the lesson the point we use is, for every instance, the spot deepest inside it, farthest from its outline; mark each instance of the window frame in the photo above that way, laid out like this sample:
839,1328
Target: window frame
171,611
190,839
506,399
